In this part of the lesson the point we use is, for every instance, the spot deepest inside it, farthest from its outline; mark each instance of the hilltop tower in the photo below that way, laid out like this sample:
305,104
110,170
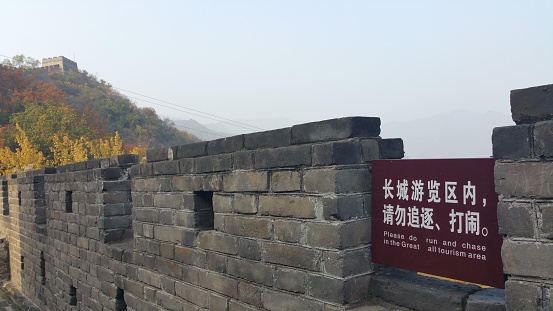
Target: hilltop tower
59,63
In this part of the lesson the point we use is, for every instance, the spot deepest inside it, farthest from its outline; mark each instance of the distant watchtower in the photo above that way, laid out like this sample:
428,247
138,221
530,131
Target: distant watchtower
59,63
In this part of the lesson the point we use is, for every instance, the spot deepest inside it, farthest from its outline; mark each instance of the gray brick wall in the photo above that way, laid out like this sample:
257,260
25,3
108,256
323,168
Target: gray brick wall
265,221
524,184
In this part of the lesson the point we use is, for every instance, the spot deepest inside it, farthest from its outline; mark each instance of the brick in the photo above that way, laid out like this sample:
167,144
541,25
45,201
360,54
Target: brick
320,181
250,294
216,163
532,104
546,223
218,242
245,204
370,150
185,183
218,303
491,299
195,295
353,180
287,230
216,262
527,180
149,277
190,256
169,234
522,295
292,156
244,181
167,301
273,138
347,263
187,166
166,168
222,203
391,148
285,181
335,153
326,288
543,139
251,271
291,280
250,249
237,306
255,227
156,155
335,129
516,219
168,200
220,284
517,262
287,206
291,255
242,160
191,150
276,301
225,145
339,235
512,142
344,207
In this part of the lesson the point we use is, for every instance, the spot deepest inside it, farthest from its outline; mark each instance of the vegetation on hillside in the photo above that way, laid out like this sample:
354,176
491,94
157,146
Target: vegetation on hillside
50,118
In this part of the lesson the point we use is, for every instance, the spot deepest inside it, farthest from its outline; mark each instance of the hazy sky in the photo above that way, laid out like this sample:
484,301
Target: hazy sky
303,60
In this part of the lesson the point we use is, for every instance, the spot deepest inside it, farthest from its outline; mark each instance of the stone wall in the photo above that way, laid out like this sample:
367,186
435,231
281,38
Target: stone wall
60,63
273,220
524,182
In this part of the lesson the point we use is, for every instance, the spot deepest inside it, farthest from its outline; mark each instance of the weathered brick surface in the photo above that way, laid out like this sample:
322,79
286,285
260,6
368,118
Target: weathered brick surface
336,129
516,260
512,142
524,180
532,104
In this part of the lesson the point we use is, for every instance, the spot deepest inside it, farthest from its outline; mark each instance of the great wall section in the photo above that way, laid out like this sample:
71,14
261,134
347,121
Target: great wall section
277,220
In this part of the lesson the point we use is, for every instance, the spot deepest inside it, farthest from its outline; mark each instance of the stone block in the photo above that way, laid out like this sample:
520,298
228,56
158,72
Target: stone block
277,301
291,156
339,235
166,168
287,230
326,288
370,150
245,204
168,267
285,181
353,180
190,256
491,299
532,104
249,294
344,207
287,206
391,148
186,183
516,219
169,200
216,262
254,227
319,181
210,240
516,259
521,295
242,160
292,255
193,150
335,129
167,301
225,145
524,180
193,294
215,163
543,139
246,181
512,142
291,280
546,221
409,290
335,153
218,303
156,155
347,263
222,203
273,139
249,249
251,271
220,283
187,166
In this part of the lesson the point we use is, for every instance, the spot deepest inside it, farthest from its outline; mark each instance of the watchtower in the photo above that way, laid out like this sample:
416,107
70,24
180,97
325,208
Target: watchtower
60,63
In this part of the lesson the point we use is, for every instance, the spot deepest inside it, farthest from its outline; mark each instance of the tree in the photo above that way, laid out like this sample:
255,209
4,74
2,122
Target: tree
21,61
26,156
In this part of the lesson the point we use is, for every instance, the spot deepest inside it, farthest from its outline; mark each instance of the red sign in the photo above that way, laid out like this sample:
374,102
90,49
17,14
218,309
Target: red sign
437,217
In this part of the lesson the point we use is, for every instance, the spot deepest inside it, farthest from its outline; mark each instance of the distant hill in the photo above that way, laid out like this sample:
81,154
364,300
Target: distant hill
104,108
458,134
202,132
